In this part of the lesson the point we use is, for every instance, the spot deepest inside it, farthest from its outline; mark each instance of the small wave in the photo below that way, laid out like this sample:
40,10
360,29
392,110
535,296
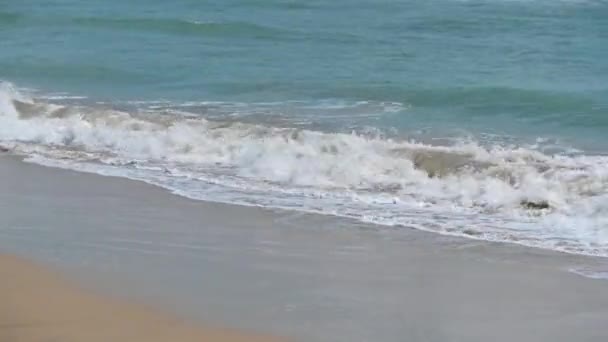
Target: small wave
287,5
62,97
590,272
480,98
506,96
525,105
304,114
183,27
73,71
500,192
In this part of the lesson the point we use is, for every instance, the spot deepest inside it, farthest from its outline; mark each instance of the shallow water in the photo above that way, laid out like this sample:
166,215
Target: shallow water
311,277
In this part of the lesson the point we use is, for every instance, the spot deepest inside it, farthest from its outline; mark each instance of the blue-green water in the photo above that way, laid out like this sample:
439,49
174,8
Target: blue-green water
511,92
537,67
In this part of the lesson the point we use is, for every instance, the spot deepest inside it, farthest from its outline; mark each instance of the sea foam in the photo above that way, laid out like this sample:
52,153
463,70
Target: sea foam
498,192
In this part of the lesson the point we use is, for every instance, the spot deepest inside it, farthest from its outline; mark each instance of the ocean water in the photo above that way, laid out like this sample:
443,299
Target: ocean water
481,118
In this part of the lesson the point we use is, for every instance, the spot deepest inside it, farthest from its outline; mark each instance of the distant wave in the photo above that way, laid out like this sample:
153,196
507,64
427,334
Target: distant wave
182,27
501,192
160,25
287,5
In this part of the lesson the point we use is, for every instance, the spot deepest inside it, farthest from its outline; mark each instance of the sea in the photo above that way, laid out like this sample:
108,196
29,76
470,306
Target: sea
479,118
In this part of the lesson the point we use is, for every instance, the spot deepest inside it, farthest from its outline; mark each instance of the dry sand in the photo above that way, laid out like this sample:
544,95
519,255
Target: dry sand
37,305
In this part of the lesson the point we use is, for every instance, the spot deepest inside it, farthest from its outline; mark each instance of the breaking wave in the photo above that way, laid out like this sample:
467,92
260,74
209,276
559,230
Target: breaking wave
499,192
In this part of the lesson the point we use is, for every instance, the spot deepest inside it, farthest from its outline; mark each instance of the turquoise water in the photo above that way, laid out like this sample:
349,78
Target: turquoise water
441,115
535,68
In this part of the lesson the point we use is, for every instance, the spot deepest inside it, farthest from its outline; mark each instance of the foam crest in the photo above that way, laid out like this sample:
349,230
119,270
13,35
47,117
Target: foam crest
505,193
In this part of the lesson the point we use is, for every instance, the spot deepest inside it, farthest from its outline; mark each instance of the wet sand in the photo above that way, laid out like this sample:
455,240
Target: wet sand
37,305
310,277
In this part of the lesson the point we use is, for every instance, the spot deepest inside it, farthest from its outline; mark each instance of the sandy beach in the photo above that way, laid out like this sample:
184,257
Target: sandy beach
308,277
38,305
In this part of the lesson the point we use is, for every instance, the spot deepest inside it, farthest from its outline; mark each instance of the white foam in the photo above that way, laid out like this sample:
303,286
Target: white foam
590,273
464,189
61,97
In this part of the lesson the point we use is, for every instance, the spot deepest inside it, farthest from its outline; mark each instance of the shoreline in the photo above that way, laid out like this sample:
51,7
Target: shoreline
306,276
466,235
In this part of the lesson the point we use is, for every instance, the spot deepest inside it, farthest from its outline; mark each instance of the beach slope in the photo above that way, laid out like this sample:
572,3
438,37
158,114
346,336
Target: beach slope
309,277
